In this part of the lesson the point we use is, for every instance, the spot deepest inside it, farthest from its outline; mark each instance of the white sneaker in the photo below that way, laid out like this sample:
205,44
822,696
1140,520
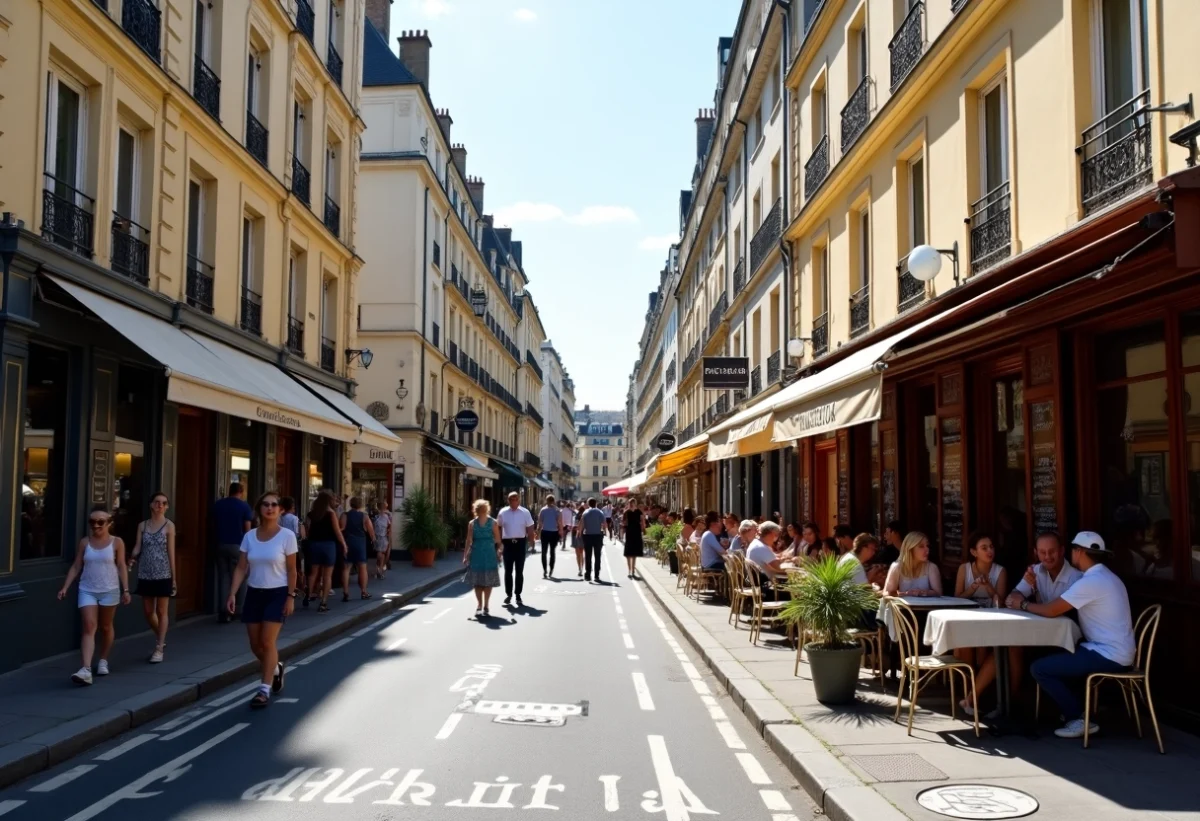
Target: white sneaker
83,676
102,668
1074,729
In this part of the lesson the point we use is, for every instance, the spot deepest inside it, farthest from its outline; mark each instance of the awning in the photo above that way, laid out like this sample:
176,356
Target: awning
471,466
510,475
372,432
681,456
542,483
210,374
626,486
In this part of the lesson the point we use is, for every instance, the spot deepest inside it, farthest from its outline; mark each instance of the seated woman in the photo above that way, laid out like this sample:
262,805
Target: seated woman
986,582
822,548
913,574
864,549
689,517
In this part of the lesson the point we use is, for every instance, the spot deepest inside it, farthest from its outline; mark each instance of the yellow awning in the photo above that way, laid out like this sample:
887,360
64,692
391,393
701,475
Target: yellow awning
675,460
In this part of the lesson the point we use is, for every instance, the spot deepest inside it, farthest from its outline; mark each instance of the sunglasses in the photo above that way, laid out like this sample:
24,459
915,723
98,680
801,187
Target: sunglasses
269,504
98,522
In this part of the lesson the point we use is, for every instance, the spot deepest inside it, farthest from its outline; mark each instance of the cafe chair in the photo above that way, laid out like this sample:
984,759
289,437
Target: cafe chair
701,579
920,671
739,589
684,556
765,610
872,644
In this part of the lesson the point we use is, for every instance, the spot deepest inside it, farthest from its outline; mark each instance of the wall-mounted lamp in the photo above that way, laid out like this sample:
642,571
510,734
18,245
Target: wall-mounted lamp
925,261
795,347
364,355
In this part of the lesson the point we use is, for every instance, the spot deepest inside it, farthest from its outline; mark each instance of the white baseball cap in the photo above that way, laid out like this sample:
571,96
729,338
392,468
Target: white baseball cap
1089,540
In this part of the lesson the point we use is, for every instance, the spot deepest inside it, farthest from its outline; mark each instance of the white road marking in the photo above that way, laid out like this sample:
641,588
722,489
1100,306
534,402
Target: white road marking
624,625
775,801
190,714
691,670
787,816
174,767
643,692
620,610
187,728
225,699
438,616
701,687
715,712
732,740
628,639
632,657
612,802
324,651
449,726
754,770
8,806
362,632
286,700
52,784
396,644
131,744
525,708
653,616
672,802
681,656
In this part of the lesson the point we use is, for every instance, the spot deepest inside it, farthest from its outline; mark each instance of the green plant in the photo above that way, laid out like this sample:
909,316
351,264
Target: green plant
458,523
422,527
654,534
673,534
827,601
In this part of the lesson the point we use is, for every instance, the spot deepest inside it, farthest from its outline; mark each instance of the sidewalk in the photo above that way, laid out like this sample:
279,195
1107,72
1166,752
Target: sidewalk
46,719
857,764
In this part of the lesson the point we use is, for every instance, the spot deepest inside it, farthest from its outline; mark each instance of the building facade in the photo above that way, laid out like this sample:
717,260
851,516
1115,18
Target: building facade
601,450
557,440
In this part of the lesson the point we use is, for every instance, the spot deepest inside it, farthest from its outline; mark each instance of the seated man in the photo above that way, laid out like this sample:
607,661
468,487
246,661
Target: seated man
712,552
1049,578
761,551
745,535
1108,644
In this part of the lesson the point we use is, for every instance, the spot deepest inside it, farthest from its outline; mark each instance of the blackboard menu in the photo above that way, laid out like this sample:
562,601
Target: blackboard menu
805,498
101,464
1045,466
888,476
843,480
953,509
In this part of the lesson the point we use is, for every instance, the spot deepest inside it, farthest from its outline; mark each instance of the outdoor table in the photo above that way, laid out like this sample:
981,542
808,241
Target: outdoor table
919,603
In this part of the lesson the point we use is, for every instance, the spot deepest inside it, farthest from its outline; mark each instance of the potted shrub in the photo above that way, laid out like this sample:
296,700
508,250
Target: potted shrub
653,537
673,535
422,533
829,604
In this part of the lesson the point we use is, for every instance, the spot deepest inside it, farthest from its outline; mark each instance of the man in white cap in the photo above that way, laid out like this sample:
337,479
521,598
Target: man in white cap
1108,644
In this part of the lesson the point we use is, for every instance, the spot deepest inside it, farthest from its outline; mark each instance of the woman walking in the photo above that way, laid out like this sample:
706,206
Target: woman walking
103,582
635,526
154,552
382,522
324,539
268,566
482,555
357,529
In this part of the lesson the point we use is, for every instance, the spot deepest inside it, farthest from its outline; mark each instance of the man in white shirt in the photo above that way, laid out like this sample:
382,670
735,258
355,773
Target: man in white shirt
761,551
1108,644
517,533
608,518
568,521
1049,579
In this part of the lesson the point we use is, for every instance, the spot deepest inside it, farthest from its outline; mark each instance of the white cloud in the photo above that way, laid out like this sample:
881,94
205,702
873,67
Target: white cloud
528,212
603,214
657,243
525,15
432,8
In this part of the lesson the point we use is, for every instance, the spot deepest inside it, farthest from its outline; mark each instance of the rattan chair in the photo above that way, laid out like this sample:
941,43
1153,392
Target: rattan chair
872,642
765,610
739,588
683,556
919,671
701,578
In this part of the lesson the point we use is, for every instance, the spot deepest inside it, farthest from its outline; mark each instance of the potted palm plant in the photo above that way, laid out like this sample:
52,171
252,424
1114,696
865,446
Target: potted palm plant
422,533
828,603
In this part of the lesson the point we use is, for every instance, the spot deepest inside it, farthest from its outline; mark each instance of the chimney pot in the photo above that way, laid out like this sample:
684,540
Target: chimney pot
459,153
379,12
444,121
414,53
475,190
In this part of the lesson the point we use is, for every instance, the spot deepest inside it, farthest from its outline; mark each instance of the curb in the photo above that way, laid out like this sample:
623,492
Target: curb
21,759
836,790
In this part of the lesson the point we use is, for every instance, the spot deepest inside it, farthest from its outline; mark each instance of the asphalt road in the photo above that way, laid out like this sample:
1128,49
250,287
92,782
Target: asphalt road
583,704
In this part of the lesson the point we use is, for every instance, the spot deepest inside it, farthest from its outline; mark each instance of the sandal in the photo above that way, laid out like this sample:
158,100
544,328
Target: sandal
365,595
345,598
259,701
324,608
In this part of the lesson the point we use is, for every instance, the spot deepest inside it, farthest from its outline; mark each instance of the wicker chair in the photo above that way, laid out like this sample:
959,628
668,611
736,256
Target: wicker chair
701,578
739,589
918,671
765,610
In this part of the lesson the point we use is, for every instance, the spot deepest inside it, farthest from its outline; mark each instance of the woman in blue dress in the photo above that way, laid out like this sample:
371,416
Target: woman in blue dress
483,555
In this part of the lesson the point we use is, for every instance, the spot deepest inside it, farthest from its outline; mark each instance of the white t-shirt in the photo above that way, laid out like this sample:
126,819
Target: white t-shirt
268,560
1103,606
761,556
568,517
860,575
513,523
1049,588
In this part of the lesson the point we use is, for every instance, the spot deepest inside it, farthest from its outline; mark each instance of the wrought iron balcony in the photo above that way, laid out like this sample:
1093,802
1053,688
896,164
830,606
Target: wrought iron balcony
991,228
301,180
908,44
334,64
689,361
333,216
533,414
756,380
532,362
856,114
722,404
766,237
860,311
688,432
820,335
295,336
739,276
1115,155
473,369
816,170
811,9
256,138
328,355
251,320
142,21
669,379
437,335
567,410
957,5
532,459
67,216
200,277
206,88
773,369
717,314
306,20
452,352
130,249
911,291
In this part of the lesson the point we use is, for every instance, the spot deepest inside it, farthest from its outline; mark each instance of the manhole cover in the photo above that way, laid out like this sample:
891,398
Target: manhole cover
978,801
903,767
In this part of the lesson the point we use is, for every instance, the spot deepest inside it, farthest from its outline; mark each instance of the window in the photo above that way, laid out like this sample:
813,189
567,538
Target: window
777,83
295,285
595,470
861,55
595,455
820,279
331,171
757,129
993,135
299,135
47,399
621,457
776,177
916,201
204,15
864,248
254,85
604,456
595,485
335,23
198,220
620,441
757,209
125,196
604,471
69,221
1121,52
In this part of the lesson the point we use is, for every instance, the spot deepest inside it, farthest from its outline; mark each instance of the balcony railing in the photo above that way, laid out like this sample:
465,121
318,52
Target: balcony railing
689,361
437,335
820,335
67,216
256,138
301,180
473,369
717,314
452,352
860,311
567,410
911,291
739,276
251,321
328,359
908,44
533,414
334,63
532,459
669,379
991,228
856,114
295,336
142,21
532,362
1115,155
773,367
200,277
306,20
816,170
130,249
206,88
756,380
766,237
333,216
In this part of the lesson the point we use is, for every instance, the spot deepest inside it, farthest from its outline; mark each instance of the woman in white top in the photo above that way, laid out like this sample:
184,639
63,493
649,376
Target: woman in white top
913,574
984,581
103,582
268,565
382,520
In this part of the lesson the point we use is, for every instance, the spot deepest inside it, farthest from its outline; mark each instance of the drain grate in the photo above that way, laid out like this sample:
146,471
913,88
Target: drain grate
900,767
978,801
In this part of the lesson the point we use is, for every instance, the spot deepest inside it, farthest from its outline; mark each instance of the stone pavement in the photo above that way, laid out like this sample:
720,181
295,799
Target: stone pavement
46,719
849,758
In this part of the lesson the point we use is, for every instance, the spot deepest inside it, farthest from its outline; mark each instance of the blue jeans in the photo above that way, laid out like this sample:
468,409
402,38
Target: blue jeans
1062,676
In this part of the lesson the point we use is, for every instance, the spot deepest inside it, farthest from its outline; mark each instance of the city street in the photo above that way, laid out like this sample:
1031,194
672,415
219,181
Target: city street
583,702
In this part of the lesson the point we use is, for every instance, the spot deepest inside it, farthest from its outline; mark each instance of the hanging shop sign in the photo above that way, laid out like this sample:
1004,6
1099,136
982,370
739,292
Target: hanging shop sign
725,372
665,441
466,420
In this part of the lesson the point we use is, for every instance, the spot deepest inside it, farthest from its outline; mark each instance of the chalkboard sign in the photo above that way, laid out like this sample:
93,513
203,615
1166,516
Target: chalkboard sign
888,476
843,479
953,508
101,464
1045,466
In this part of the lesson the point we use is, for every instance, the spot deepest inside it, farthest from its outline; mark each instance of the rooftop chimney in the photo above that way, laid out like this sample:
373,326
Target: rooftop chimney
516,252
487,218
706,121
475,189
444,121
459,152
414,53
378,12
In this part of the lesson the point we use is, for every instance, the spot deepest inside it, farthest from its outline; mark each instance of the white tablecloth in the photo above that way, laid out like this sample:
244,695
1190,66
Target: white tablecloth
919,603
946,630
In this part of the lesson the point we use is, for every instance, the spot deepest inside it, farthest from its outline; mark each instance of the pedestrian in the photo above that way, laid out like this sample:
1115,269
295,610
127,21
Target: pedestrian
577,539
382,522
591,525
635,526
482,556
550,521
103,582
268,566
608,517
154,551
567,521
324,539
357,530
292,522
516,532
231,518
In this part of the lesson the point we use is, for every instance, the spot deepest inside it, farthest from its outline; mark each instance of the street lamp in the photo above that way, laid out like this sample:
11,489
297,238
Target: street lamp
363,355
925,261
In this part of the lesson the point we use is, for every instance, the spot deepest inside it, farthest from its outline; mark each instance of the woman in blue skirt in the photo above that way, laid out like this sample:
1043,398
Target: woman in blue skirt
483,555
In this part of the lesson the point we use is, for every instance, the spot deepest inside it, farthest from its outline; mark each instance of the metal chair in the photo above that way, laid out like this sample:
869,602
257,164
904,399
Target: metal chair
872,642
739,590
914,667
764,610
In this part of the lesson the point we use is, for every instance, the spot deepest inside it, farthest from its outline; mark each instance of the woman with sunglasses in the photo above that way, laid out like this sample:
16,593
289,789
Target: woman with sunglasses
268,565
103,582
155,552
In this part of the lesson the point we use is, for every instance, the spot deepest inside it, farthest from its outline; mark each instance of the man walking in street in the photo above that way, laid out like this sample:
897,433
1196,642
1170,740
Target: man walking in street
550,521
567,519
516,532
591,526
231,519
608,517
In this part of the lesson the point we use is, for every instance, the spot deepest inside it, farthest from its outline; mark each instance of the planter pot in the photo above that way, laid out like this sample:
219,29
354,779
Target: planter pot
834,672
423,557
673,561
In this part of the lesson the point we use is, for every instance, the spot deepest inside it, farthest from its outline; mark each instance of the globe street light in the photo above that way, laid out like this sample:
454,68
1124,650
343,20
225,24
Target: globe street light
925,262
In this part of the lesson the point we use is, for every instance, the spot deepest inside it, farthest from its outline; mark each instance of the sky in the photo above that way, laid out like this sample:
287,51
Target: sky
580,118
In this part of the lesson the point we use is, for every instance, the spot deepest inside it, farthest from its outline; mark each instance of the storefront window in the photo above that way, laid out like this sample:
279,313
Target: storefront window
45,442
130,502
1190,402
241,454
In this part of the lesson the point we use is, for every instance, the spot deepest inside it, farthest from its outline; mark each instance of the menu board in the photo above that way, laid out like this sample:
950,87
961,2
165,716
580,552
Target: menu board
953,508
888,476
843,480
805,498
101,464
1045,466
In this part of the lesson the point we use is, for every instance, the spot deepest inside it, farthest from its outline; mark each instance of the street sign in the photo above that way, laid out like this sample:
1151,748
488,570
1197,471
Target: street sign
466,420
725,372
666,441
